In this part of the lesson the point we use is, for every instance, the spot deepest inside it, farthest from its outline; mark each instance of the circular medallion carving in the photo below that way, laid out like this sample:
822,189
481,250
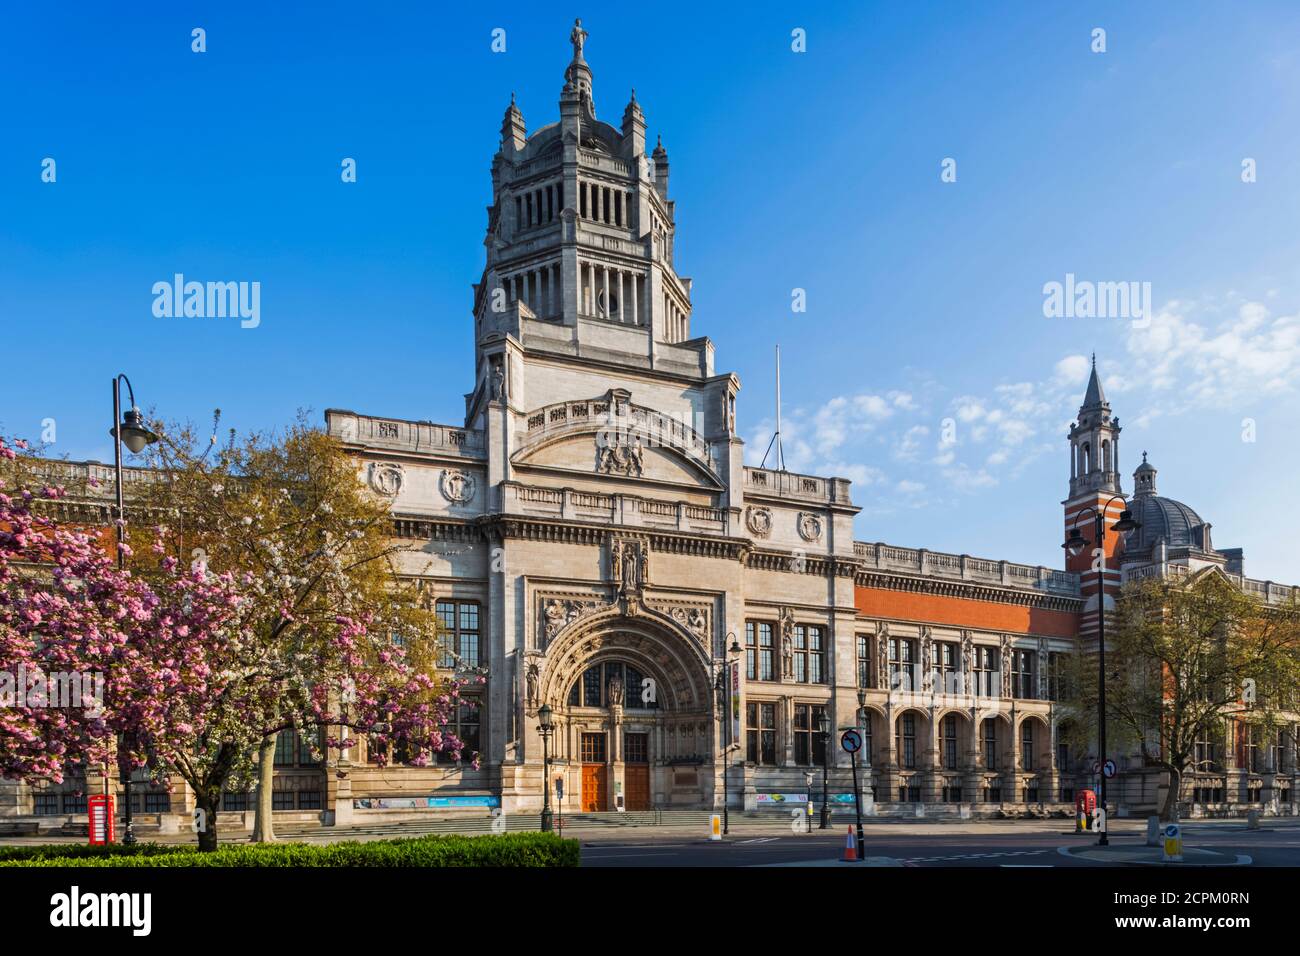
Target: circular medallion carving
810,526
386,478
759,522
457,486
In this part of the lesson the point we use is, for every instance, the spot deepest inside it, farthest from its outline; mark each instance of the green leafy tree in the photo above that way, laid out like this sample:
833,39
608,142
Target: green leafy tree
1183,658
344,640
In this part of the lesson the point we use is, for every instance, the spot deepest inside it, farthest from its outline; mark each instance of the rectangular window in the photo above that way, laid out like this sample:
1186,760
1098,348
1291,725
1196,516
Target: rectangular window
948,669
952,790
1207,755
1063,756
993,794
1249,749
759,651
284,748
807,654
1022,675
593,748
760,733
1056,689
235,802
902,664
465,725
309,800
459,624
636,748
864,660
987,682
282,800
74,803
809,747
45,804
1026,746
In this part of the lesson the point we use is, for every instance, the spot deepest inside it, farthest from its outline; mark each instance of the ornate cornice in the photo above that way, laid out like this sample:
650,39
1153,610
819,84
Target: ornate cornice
969,590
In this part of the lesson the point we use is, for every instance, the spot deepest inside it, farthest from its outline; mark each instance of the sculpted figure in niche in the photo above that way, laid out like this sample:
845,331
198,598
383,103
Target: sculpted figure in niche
531,679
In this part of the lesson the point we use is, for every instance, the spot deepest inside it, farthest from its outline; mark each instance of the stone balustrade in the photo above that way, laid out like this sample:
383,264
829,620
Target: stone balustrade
962,567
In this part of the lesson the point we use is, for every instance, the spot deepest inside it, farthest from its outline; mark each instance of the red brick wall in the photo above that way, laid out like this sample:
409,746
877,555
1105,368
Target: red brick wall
964,612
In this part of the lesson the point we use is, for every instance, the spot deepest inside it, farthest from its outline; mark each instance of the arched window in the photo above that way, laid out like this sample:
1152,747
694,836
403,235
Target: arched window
948,742
592,688
990,743
1105,456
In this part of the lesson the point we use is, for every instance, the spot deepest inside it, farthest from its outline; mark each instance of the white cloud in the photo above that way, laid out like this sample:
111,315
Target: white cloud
1072,370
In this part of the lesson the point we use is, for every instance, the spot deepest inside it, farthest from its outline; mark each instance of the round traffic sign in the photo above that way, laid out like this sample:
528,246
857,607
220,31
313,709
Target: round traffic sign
851,741
1109,769
1172,831
1096,766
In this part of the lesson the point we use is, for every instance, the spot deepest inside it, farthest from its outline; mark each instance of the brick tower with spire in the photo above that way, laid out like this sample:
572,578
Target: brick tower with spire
1094,483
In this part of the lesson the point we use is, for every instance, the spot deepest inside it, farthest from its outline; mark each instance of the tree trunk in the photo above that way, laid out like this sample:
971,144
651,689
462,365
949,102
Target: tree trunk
208,801
263,826
1169,812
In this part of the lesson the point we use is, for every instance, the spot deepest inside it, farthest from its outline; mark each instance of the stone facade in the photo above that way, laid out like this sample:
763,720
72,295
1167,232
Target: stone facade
596,544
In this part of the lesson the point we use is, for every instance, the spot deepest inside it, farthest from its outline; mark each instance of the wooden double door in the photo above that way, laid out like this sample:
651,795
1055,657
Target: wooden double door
595,772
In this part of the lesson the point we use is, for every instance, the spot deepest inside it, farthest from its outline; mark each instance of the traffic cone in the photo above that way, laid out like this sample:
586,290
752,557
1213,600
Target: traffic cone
850,848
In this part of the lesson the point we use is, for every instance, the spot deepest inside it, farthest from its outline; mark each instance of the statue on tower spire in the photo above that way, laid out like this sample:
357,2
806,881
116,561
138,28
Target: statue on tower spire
578,37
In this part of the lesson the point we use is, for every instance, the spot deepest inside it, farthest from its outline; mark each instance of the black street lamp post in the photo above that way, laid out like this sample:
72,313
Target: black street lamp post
823,734
722,687
129,430
1075,544
545,727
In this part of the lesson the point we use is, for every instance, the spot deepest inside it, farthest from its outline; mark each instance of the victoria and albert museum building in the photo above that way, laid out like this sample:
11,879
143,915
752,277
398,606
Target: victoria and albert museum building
596,546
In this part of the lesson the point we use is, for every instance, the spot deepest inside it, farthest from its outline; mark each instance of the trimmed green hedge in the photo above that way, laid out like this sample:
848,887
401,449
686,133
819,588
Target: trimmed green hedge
511,849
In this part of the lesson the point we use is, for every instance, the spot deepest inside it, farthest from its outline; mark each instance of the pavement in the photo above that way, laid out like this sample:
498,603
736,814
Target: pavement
1051,843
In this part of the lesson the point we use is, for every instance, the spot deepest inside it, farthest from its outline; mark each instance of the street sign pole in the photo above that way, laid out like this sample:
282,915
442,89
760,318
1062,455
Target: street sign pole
857,800
851,741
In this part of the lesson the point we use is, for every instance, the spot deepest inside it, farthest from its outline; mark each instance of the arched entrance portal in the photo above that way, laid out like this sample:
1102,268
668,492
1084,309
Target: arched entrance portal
634,713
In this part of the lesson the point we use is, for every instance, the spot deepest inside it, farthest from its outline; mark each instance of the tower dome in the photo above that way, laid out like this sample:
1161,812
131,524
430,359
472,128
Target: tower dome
1162,519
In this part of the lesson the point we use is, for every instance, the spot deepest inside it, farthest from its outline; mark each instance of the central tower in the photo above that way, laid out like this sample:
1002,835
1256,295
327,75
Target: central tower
580,237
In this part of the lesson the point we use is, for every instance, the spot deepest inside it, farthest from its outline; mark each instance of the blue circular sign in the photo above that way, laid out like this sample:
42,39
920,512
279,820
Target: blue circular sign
851,741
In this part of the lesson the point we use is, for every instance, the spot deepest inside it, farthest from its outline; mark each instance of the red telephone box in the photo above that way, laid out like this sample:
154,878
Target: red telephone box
1085,801
100,807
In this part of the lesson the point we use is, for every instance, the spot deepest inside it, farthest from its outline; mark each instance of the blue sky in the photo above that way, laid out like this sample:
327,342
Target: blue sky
816,170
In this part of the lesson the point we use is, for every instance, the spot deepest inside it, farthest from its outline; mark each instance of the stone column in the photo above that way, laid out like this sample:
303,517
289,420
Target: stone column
971,778
635,295
889,772
932,791
1013,774
621,311
605,269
